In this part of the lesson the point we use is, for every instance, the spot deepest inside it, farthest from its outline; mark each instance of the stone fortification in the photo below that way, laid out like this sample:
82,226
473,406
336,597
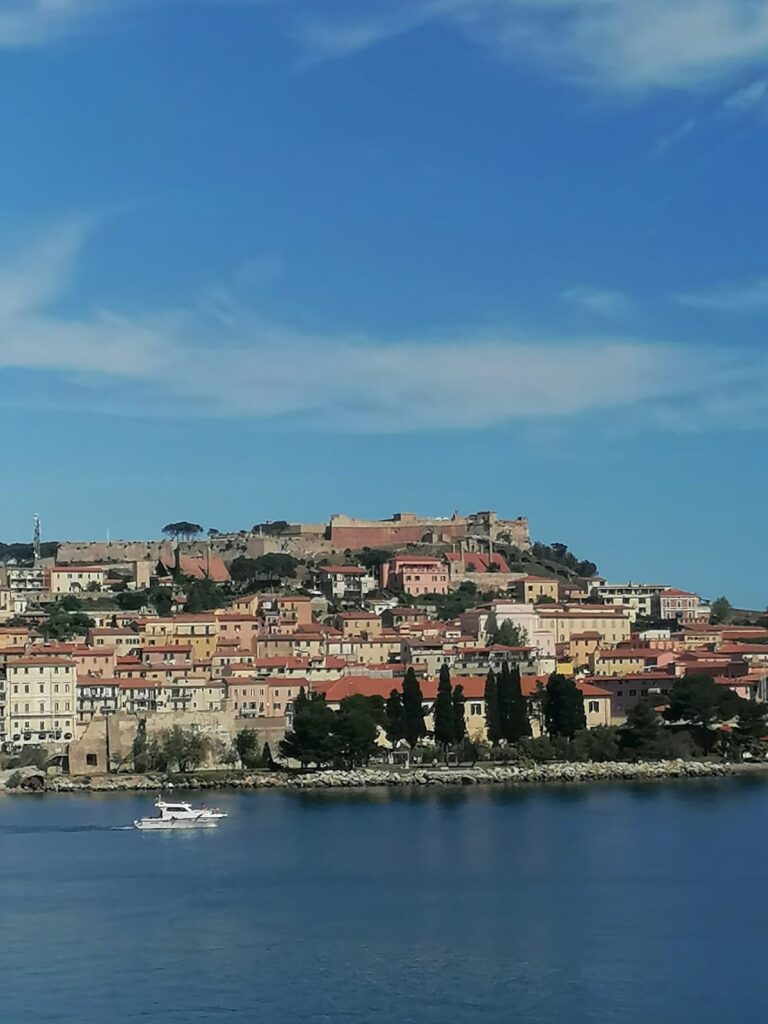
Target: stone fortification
308,540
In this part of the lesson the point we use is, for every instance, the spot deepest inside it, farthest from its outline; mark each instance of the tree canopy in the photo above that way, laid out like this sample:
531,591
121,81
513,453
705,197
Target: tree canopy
182,530
721,611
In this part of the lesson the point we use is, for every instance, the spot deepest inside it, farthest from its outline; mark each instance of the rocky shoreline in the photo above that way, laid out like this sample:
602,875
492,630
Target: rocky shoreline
28,780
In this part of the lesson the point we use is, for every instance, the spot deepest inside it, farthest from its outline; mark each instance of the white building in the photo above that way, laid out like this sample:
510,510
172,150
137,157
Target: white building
641,598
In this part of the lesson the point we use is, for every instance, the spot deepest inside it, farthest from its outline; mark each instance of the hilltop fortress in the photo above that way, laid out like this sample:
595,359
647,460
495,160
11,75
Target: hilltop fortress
477,532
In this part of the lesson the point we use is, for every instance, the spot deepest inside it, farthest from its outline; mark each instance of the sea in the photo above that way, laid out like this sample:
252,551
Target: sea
605,903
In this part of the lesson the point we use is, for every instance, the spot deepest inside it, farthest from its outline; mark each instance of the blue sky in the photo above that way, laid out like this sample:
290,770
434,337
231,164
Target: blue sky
283,258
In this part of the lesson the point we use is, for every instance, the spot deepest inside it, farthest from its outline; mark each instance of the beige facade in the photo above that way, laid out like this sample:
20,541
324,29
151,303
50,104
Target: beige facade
74,579
40,700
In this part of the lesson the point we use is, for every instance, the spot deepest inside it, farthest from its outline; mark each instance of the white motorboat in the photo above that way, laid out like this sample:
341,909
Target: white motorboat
180,815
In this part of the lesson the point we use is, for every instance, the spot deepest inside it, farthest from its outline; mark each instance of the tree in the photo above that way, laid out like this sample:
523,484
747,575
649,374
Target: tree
186,748
373,558
698,701
639,736
355,729
247,747
492,715
443,717
182,530
162,601
563,707
508,635
518,724
721,611
598,744
505,698
310,740
459,719
63,625
243,569
414,728
276,565
751,720
203,595
394,718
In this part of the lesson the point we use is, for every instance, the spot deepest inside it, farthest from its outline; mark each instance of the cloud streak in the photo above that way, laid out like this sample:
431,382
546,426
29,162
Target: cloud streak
750,298
217,358
624,45
32,22
604,302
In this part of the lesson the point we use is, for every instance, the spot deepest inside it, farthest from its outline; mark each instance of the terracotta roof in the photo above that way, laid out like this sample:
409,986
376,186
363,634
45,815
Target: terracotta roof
206,567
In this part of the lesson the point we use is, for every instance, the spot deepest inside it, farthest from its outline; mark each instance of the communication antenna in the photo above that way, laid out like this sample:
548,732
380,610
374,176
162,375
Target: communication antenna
36,539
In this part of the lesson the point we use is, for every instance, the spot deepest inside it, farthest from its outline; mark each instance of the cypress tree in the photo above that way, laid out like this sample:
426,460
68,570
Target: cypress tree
445,732
394,719
459,721
414,728
563,707
505,697
518,725
492,719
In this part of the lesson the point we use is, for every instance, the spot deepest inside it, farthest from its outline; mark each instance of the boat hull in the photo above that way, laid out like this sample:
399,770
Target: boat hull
174,825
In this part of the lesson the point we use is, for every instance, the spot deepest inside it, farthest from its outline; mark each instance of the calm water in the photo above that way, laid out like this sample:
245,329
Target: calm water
609,904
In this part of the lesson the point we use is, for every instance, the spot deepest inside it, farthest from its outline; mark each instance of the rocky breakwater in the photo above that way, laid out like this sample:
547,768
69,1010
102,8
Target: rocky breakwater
506,774
33,780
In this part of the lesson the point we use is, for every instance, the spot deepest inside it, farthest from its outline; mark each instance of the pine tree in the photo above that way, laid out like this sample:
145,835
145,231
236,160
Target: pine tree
414,728
394,719
444,729
492,719
459,721
518,722
505,698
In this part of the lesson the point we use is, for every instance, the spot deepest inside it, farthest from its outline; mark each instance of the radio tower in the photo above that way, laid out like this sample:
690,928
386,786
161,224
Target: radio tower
36,539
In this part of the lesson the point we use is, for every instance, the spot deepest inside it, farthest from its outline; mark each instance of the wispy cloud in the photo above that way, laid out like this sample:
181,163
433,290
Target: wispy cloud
217,358
666,142
750,298
31,22
748,97
620,44
602,301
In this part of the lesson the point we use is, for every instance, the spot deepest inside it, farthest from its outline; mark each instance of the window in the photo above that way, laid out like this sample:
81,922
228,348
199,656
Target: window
593,706
26,709
92,760
633,693
475,709
26,688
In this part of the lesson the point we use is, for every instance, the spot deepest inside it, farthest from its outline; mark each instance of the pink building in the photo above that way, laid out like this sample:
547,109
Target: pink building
679,604
412,575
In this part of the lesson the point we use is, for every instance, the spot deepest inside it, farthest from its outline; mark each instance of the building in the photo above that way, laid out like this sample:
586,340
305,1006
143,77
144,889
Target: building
682,606
75,579
640,598
412,575
40,700
534,589
345,583
27,580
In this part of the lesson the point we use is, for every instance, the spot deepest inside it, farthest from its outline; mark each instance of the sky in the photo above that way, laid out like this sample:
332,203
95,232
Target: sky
277,259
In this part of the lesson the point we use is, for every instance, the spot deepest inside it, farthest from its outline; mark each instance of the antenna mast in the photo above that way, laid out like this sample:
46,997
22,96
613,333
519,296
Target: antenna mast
36,539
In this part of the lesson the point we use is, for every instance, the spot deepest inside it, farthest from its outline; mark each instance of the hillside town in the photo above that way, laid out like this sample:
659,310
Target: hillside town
222,633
